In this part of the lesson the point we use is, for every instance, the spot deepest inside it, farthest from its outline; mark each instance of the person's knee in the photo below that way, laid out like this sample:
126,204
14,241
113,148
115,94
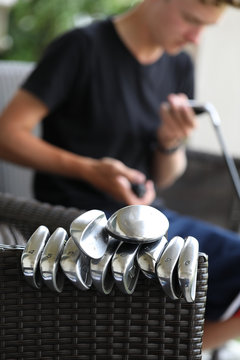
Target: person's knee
217,333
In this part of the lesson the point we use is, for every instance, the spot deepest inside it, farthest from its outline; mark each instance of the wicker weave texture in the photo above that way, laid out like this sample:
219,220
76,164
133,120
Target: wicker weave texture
22,217
39,324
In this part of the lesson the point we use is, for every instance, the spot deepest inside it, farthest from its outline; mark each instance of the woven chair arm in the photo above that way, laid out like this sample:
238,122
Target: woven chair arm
23,216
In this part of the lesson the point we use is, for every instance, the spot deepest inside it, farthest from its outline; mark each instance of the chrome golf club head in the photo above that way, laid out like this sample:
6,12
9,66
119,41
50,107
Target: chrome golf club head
88,232
187,268
49,262
76,265
101,270
137,224
166,267
148,255
124,267
31,256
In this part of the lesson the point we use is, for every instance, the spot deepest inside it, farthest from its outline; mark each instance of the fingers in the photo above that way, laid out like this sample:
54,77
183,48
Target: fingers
114,178
130,198
117,168
178,120
182,113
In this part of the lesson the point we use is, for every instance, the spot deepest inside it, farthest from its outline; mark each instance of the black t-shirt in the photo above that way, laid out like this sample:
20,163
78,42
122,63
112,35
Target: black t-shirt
102,102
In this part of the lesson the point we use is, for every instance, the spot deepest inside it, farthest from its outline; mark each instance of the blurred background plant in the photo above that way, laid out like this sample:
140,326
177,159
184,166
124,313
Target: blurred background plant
29,25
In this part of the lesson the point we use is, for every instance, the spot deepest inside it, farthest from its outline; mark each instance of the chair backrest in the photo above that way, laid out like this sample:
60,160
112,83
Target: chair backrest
206,184
14,179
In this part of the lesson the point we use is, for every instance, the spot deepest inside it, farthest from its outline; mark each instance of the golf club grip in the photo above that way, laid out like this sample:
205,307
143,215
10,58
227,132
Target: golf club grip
139,189
198,110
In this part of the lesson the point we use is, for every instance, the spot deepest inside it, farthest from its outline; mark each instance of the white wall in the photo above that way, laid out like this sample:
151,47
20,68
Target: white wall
218,82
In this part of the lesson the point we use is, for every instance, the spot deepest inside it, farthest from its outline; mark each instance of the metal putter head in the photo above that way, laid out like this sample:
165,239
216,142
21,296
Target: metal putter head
31,256
187,268
76,265
88,232
124,267
148,255
50,258
137,224
101,271
166,268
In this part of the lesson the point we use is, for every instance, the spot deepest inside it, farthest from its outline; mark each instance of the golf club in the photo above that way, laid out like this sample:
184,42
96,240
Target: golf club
148,255
187,268
137,224
31,256
101,271
76,265
88,232
124,267
49,262
166,268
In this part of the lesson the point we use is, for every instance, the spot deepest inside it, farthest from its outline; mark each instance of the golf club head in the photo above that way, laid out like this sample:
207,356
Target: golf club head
124,267
50,258
101,271
88,232
148,255
166,268
137,224
76,265
31,256
187,268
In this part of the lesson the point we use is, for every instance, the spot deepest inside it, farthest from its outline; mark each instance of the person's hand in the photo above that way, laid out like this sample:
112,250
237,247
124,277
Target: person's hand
178,121
114,178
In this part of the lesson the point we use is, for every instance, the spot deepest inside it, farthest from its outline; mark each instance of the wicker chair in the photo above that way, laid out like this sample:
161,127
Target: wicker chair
40,324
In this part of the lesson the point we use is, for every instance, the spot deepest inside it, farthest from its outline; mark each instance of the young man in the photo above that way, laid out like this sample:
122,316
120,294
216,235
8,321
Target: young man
113,98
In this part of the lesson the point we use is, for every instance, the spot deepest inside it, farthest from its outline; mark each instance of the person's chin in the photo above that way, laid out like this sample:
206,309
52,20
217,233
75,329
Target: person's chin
174,50
175,47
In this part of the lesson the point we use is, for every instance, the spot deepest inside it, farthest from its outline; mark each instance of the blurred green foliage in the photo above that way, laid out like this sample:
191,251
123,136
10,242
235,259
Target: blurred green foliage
34,23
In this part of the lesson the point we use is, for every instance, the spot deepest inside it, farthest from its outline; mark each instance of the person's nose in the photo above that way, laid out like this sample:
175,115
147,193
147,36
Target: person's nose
194,34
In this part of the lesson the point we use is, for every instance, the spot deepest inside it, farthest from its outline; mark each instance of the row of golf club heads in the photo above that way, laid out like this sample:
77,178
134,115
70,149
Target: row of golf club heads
89,239
174,263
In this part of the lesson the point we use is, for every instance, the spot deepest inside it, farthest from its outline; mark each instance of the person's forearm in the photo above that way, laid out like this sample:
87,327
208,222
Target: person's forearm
167,168
34,152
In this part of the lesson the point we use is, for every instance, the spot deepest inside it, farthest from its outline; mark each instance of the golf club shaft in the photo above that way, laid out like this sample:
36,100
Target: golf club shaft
229,161
215,119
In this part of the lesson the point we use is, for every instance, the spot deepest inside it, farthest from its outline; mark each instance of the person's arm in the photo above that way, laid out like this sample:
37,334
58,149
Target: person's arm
178,122
19,145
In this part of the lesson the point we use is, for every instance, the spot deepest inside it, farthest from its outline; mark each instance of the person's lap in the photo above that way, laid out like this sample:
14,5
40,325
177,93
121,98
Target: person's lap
223,249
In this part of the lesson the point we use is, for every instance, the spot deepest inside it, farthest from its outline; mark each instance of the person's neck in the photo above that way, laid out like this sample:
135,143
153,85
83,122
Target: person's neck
132,31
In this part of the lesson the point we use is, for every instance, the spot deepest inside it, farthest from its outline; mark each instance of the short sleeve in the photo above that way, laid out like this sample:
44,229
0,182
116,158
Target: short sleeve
53,77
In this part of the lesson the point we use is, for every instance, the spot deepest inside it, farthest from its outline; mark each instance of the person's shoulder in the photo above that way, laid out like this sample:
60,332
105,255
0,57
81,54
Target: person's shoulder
77,41
97,29
86,35
71,37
